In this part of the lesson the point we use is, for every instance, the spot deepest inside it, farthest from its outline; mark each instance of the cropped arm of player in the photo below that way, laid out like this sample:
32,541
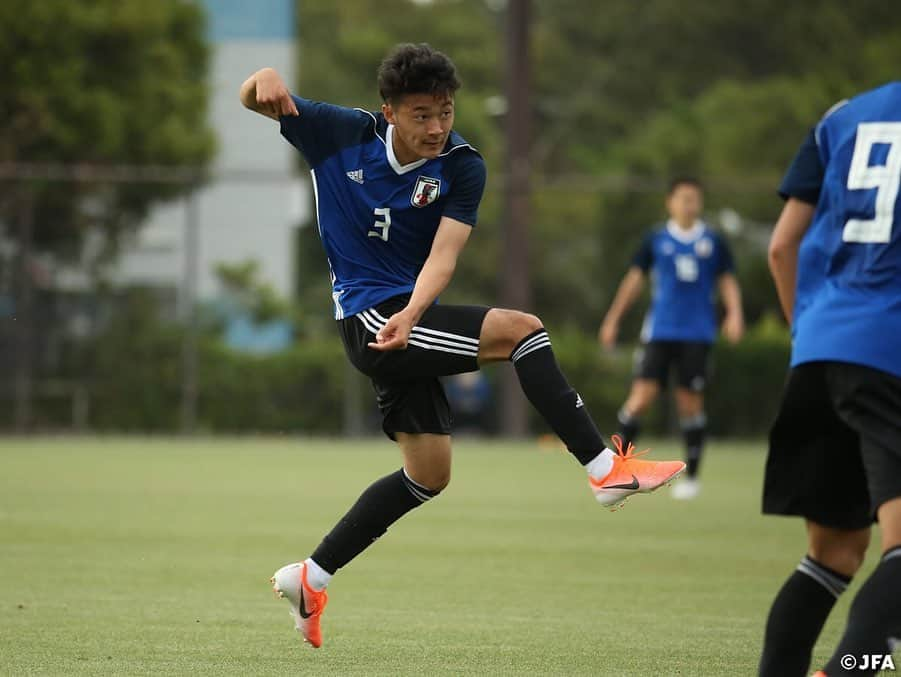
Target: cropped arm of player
434,277
266,93
801,190
794,221
730,293
628,292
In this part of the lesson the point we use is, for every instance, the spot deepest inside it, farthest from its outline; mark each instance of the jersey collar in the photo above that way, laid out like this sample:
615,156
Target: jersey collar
685,236
392,159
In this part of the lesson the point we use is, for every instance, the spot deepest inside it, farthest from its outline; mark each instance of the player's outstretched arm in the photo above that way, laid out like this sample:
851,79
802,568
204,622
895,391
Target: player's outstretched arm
433,279
734,321
265,93
783,253
628,292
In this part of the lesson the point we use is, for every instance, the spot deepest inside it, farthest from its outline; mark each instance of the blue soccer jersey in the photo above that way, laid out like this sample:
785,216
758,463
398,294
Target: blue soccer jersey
848,294
684,266
378,218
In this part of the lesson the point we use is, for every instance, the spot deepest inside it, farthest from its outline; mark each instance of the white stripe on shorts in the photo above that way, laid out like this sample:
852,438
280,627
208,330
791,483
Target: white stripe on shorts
421,336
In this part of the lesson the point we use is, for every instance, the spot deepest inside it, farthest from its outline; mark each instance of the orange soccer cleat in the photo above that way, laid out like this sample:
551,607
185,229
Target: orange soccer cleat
631,475
307,605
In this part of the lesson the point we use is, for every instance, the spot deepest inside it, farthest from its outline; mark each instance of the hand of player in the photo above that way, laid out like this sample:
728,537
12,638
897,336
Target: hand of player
607,334
733,328
273,97
395,334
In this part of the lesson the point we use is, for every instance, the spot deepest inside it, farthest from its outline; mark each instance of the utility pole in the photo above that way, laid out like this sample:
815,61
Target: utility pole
189,390
515,290
24,314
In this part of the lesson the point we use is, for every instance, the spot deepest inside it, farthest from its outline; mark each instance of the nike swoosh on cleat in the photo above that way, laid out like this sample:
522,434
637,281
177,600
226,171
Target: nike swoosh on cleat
303,607
631,485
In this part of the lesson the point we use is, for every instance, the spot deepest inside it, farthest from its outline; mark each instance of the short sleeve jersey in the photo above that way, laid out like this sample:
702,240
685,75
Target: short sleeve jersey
377,218
848,294
684,266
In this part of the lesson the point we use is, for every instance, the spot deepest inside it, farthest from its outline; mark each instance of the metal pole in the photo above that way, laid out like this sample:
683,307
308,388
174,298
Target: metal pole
354,385
189,314
24,314
515,290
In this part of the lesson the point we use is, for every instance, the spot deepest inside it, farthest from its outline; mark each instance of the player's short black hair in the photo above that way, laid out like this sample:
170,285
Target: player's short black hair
678,181
417,69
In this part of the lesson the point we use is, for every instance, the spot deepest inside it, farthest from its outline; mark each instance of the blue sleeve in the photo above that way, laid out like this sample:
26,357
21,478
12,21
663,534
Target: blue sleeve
725,263
323,129
644,257
804,177
466,190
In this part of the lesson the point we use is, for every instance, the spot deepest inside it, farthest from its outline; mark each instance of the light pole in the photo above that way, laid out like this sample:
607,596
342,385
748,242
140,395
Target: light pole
515,290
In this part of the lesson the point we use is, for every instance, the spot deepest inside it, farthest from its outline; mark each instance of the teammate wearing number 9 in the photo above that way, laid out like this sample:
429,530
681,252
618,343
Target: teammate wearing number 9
835,447
397,194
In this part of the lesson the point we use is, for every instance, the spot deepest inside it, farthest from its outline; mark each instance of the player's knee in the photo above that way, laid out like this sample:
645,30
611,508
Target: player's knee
439,482
844,555
433,479
508,328
641,398
523,324
519,327
638,405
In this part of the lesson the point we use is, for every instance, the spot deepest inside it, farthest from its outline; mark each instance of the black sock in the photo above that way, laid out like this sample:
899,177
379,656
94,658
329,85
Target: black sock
874,618
694,430
797,617
383,503
629,427
547,389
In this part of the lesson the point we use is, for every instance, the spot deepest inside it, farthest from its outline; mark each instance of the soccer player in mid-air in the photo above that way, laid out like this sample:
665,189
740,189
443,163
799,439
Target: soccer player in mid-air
397,194
835,447
688,262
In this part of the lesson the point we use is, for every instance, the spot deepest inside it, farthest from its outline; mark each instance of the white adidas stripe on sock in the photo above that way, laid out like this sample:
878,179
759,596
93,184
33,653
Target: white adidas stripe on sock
825,578
537,342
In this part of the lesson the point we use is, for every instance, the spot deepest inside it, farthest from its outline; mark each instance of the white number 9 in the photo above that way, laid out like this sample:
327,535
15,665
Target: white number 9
884,178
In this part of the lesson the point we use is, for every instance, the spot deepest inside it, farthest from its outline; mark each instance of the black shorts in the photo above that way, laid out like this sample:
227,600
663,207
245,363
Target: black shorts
655,359
407,386
835,448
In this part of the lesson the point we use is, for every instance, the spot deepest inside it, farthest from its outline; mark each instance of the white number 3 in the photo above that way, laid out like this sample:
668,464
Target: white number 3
884,178
382,223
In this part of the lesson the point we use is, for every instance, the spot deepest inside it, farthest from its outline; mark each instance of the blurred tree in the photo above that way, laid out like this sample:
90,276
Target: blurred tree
241,281
105,82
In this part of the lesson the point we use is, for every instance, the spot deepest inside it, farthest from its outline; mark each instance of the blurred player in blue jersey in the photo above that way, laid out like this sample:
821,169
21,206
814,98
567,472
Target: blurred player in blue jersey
835,448
688,263
397,194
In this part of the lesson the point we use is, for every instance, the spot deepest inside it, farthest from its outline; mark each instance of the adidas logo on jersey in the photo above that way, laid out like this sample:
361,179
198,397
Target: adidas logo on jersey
579,402
356,175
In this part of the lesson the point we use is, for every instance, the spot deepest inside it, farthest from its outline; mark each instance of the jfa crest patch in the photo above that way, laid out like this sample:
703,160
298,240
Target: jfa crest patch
426,191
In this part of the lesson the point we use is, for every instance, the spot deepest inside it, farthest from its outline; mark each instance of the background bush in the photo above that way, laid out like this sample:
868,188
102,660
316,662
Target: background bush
135,368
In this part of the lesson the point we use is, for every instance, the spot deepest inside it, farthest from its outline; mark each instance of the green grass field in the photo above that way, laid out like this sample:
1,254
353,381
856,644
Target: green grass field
128,556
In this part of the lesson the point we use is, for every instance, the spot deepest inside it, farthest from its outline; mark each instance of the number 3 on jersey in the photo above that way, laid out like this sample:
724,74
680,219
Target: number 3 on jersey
884,178
382,223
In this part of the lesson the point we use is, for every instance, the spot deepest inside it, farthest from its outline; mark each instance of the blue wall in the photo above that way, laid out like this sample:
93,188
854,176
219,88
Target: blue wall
250,19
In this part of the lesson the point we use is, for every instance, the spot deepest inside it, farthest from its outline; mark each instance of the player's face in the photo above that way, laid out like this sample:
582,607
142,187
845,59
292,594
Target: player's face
422,123
685,204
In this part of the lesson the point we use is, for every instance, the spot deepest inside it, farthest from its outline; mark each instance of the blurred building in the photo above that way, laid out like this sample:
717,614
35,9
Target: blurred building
254,203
